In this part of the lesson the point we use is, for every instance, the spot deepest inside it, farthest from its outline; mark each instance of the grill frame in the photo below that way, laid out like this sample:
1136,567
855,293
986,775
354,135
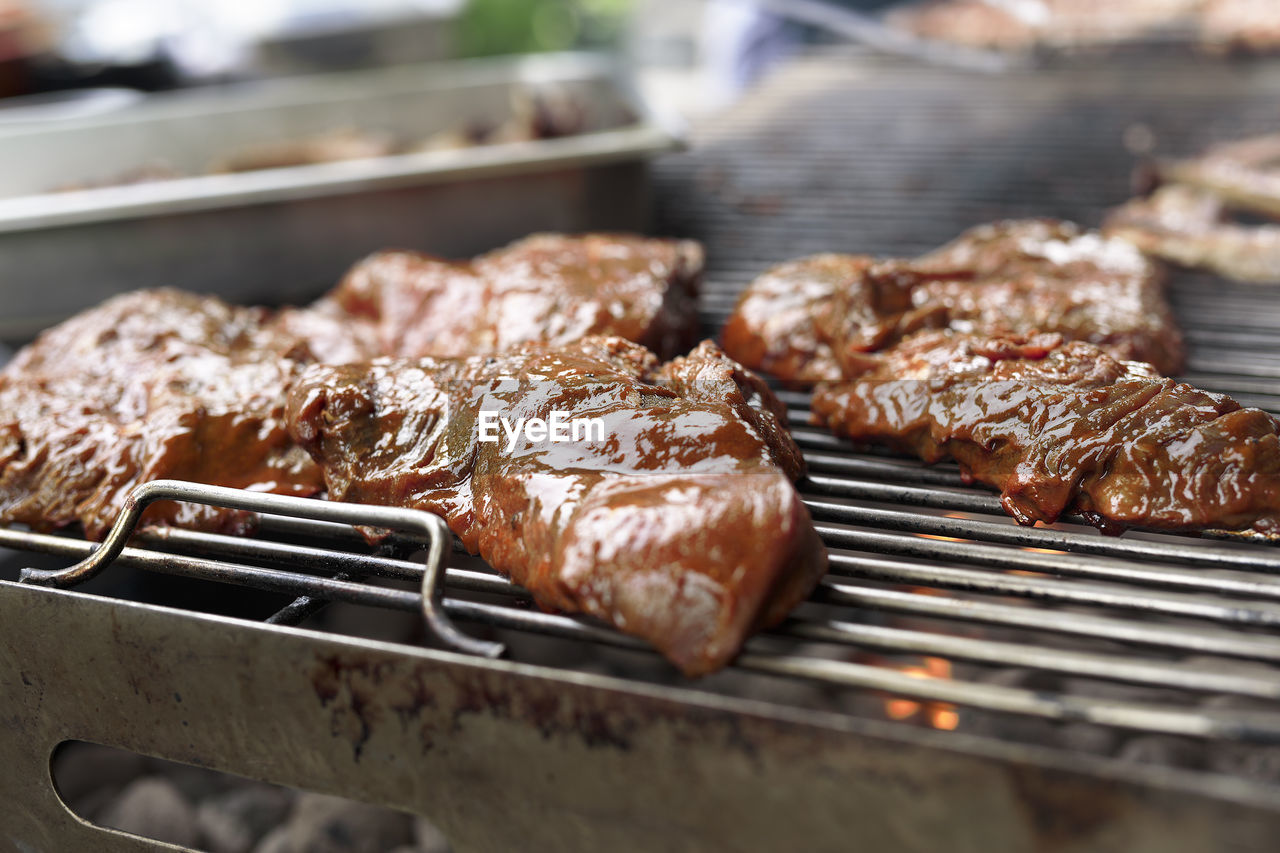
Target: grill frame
629,739
504,755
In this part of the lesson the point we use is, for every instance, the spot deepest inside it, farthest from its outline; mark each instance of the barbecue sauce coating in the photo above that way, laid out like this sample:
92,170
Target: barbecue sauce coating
681,527
548,288
148,385
807,320
1063,427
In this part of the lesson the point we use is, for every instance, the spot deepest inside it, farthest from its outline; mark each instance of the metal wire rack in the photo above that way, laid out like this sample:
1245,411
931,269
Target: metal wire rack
921,566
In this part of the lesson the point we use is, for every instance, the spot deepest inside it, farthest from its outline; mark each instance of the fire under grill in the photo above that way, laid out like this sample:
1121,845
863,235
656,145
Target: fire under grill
956,682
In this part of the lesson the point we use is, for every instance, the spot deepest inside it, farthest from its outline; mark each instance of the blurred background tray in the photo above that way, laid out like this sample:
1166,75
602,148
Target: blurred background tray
286,234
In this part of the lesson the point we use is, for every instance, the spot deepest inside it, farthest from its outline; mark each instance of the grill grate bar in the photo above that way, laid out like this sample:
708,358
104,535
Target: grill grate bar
1048,589
1182,638
312,560
231,572
1251,728
300,609
899,471
1008,533
1056,563
1109,667
937,498
1259,728
990,505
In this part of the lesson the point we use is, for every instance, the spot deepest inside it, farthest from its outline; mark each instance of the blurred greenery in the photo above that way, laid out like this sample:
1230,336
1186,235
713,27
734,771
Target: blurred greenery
492,27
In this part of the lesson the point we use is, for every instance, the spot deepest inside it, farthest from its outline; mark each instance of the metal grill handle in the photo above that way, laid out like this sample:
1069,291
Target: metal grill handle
425,524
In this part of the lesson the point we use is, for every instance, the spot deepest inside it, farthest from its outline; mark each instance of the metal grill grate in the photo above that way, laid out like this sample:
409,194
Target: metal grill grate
849,153
1049,635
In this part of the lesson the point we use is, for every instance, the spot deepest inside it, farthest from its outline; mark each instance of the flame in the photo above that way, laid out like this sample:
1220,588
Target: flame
959,515
1032,550
945,719
939,715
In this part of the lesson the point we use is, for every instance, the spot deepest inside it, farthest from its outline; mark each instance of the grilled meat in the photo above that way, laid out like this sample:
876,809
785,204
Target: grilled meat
149,385
1247,25
794,321
1188,220
806,320
1063,427
681,526
547,288
167,384
1190,227
332,146
1026,24
674,518
1242,173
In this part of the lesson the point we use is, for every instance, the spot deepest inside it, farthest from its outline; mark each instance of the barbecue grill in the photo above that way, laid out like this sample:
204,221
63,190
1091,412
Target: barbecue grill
957,682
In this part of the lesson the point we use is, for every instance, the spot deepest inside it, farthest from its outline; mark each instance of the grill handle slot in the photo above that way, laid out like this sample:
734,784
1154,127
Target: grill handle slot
431,527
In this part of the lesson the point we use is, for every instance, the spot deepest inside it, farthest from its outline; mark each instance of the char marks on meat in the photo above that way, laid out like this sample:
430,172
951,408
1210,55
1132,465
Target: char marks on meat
148,385
547,288
1062,427
681,526
807,320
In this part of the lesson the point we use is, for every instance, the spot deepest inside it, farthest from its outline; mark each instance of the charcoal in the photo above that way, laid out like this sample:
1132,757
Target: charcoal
322,824
233,821
429,839
153,807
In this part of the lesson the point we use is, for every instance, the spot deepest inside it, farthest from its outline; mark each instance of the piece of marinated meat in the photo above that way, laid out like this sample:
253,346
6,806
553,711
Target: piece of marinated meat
677,523
804,320
1242,173
1191,227
548,288
1189,219
972,23
1245,25
793,321
332,146
148,385
1022,25
1062,427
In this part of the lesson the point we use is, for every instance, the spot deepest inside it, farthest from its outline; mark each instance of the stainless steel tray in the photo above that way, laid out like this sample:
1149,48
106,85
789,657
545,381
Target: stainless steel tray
286,234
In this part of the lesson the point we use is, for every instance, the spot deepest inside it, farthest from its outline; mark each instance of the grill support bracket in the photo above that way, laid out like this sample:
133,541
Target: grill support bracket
431,527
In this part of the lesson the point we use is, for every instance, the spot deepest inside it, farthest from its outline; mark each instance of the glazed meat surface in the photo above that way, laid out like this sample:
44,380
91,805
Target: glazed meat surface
1062,427
680,525
547,288
149,385
806,320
